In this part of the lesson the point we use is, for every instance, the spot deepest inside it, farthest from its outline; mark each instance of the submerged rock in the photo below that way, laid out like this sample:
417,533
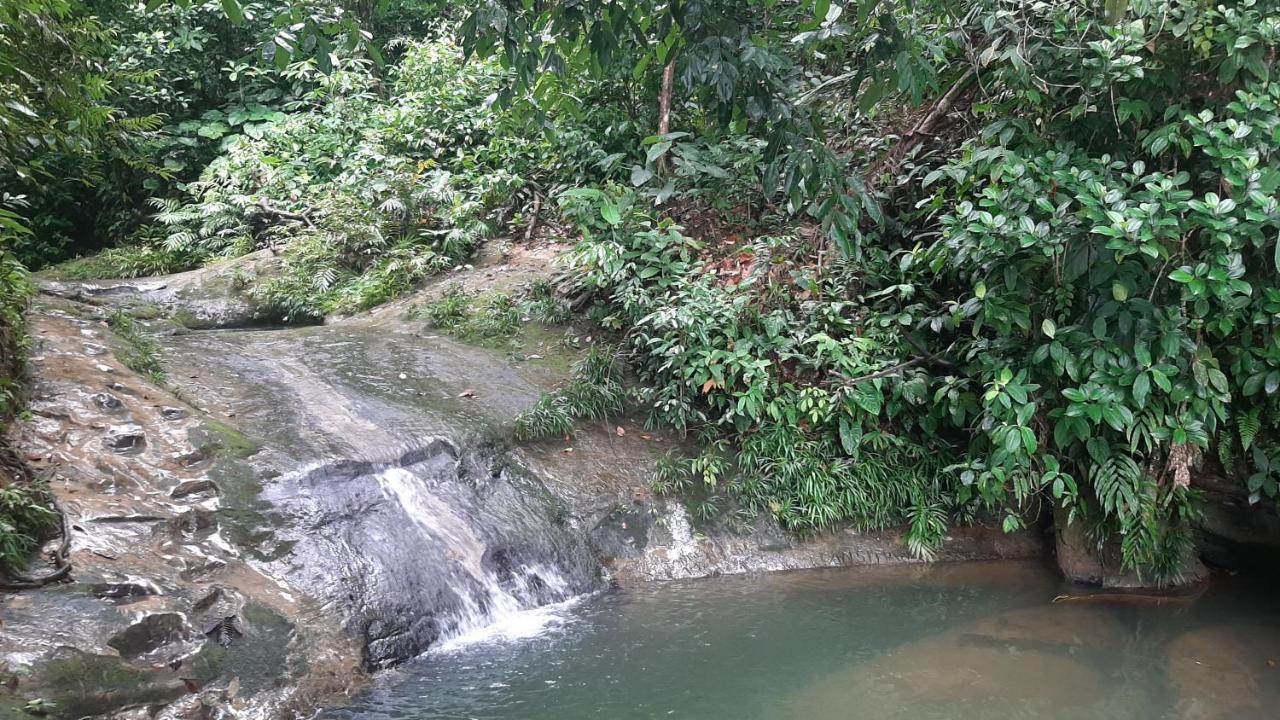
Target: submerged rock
1041,661
125,439
1221,672
210,297
152,633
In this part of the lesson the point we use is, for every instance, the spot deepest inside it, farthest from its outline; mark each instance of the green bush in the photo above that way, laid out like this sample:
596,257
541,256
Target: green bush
24,515
367,196
15,291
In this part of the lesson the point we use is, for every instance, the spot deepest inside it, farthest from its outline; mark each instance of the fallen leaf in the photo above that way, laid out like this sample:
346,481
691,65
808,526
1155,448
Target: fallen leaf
646,437
567,450
620,431
468,393
708,385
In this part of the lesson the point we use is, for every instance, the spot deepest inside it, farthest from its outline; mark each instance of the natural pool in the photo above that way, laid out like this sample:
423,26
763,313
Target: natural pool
954,642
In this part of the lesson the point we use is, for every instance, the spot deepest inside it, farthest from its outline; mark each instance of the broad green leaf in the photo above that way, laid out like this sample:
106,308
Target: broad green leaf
233,11
1141,388
640,175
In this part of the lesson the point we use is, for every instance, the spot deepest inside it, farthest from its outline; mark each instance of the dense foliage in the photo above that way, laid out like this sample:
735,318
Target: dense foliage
892,263
1074,297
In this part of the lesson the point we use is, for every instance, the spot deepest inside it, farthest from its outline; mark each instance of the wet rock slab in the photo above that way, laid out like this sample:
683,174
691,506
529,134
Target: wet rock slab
146,547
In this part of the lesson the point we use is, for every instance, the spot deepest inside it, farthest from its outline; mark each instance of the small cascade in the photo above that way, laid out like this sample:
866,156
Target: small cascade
491,593
439,546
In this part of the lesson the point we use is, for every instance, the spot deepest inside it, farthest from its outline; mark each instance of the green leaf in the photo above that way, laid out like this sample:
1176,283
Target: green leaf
233,11
1028,440
640,175
1161,380
1098,450
657,150
868,398
609,211
1048,328
1141,388
1119,291
849,438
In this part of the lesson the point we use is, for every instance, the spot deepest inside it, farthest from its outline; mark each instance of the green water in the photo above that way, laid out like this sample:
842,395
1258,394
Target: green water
952,642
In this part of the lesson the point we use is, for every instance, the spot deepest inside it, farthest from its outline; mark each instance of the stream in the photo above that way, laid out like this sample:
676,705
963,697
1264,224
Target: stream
979,640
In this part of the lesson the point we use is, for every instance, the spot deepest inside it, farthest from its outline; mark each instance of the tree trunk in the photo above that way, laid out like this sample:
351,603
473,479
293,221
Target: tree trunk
664,104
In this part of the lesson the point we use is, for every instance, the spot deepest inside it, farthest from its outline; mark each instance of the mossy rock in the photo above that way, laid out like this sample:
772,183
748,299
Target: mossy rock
215,438
259,658
81,684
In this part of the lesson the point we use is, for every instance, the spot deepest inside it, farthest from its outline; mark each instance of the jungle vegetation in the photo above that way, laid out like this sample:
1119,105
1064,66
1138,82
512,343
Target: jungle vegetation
891,263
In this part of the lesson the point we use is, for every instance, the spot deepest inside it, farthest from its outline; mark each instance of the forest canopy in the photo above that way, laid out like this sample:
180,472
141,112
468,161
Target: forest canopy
891,263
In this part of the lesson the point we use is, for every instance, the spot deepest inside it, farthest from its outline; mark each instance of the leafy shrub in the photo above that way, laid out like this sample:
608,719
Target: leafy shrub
366,197
126,262
25,519
540,302
24,514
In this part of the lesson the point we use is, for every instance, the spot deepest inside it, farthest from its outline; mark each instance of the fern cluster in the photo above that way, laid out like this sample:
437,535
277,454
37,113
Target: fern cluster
594,391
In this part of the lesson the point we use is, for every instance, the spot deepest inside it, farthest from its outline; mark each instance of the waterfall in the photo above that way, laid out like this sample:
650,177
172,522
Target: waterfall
488,604
440,546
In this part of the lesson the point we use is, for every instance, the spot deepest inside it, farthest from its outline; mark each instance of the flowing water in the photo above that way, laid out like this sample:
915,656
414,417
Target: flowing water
959,642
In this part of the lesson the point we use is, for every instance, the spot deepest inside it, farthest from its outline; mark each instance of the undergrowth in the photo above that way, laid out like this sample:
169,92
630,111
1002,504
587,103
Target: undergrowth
594,391
25,517
474,318
138,350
